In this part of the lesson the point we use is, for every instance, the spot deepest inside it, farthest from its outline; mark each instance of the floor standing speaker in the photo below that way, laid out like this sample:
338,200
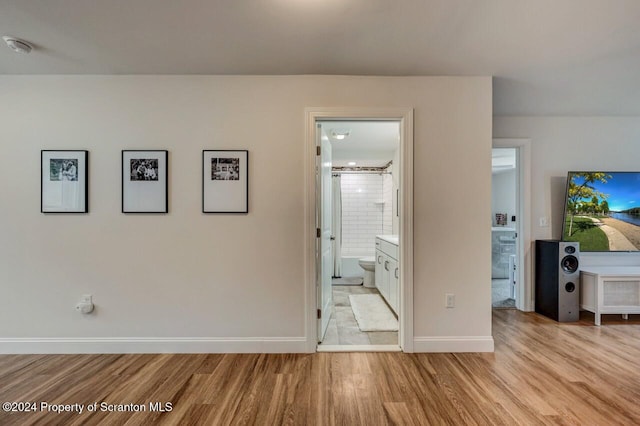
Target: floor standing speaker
558,280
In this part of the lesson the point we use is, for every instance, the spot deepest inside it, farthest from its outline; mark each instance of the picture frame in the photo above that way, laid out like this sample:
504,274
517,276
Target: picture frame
145,181
225,181
64,176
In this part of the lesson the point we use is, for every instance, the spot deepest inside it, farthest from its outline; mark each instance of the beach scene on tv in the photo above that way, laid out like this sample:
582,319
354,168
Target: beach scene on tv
603,211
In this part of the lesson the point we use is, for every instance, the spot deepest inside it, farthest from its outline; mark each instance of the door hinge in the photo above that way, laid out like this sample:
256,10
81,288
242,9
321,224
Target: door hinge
318,150
319,313
318,233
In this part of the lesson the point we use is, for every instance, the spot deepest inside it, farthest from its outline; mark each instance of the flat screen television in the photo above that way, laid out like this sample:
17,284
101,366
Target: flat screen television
602,211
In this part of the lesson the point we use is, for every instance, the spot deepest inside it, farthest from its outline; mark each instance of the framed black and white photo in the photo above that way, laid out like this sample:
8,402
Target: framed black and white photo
63,183
144,181
225,181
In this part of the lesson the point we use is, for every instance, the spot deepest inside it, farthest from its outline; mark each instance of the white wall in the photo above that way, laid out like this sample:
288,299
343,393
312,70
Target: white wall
186,281
361,213
395,216
562,144
387,197
503,195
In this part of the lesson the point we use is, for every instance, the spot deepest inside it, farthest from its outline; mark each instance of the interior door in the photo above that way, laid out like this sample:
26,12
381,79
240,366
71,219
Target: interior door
324,259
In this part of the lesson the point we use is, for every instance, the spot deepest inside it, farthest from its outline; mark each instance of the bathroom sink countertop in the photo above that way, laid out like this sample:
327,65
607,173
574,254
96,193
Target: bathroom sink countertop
393,239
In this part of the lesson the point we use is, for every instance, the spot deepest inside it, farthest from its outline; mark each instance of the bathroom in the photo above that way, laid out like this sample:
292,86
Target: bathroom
365,228
504,186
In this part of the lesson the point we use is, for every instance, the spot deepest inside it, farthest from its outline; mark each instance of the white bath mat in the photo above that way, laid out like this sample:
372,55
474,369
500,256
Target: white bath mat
372,314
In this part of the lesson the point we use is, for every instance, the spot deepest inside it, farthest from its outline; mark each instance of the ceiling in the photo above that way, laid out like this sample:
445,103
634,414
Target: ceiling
548,57
369,143
503,160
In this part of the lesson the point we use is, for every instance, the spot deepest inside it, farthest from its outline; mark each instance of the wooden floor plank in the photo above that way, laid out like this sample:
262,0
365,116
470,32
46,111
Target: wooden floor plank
542,372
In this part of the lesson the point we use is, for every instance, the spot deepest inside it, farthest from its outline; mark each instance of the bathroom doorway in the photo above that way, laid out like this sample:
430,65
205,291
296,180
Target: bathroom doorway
360,286
504,235
360,207
510,224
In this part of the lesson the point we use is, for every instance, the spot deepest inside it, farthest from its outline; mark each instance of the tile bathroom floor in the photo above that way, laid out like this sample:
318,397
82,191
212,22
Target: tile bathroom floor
343,328
500,294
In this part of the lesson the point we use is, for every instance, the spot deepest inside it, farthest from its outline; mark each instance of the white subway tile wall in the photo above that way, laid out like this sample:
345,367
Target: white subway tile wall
362,208
387,197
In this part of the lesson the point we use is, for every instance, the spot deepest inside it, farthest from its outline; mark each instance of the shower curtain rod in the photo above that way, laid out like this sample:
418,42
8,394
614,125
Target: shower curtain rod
364,170
359,172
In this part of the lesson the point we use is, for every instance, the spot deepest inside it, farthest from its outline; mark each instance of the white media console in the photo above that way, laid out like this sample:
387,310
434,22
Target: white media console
610,290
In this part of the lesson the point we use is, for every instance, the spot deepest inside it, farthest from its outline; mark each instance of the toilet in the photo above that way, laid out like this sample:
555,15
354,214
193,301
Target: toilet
369,266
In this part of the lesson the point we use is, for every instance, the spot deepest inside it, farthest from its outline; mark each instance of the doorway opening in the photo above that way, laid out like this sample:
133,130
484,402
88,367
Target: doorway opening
511,238
358,182
361,286
504,232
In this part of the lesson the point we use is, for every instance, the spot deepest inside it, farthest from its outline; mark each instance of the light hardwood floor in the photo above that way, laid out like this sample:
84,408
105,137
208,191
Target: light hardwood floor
542,372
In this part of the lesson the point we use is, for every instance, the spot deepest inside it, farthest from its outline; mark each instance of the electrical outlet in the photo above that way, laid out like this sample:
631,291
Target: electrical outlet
450,301
544,221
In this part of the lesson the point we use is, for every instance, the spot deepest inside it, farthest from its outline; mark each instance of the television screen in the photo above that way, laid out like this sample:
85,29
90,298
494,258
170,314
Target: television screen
602,211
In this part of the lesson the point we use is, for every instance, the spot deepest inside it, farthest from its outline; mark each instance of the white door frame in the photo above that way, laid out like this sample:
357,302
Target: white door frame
523,185
405,117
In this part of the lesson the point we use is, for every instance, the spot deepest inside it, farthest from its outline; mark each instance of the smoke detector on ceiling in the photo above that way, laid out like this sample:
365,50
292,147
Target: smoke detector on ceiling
17,45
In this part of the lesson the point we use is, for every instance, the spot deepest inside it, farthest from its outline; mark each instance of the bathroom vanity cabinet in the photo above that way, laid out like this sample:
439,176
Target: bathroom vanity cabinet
387,270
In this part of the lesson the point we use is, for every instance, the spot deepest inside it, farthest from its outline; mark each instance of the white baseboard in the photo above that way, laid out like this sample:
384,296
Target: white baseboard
453,344
108,345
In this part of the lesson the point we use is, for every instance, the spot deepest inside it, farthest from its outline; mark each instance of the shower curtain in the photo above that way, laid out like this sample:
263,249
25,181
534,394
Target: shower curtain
336,225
